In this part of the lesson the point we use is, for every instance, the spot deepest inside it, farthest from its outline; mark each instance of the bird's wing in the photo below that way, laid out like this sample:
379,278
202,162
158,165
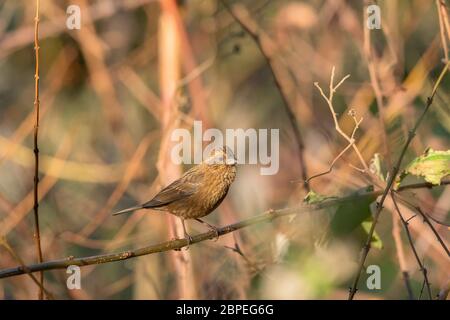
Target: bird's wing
184,187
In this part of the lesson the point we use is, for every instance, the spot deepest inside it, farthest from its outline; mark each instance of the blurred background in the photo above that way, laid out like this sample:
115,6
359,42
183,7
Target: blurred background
112,91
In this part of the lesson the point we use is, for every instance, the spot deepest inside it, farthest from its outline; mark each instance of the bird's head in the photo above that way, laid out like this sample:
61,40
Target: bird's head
221,155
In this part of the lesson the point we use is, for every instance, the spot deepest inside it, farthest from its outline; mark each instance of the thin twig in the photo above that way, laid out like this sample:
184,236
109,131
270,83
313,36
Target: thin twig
266,47
372,67
37,233
237,248
413,248
177,244
427,221
442,223
445,19
350,139
396,234
11,251
391,180
424,215
421,185
440,5
19,38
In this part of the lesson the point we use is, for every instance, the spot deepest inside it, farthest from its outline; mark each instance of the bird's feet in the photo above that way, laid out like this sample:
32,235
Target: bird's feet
189,239
216,231
211,227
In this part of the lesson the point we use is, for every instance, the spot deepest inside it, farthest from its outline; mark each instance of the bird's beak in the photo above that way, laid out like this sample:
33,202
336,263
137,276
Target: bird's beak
231,159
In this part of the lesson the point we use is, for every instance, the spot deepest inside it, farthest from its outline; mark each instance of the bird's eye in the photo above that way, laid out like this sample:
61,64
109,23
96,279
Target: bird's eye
219,159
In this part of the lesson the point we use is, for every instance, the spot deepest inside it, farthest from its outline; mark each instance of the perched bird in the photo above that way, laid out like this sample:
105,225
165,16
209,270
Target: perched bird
198,192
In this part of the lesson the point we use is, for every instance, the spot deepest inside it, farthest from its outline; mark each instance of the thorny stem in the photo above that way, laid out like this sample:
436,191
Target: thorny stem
413,248
177,244
37,233
394,171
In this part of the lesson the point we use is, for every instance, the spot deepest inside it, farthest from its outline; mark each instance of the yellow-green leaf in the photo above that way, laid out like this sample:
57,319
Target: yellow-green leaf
313,197
375,242
432,165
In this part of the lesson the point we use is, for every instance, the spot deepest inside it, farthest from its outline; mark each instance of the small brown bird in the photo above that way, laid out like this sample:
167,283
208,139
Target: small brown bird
198,192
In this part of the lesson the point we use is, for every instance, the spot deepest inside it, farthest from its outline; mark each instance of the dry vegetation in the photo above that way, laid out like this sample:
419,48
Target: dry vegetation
110,94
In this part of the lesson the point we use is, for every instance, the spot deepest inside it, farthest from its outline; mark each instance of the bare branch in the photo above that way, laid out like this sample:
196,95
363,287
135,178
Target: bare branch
37,232
413,248
393,174
177,244
351,113
266,47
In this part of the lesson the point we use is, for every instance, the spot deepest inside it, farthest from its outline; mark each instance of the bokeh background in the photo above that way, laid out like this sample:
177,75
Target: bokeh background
112,92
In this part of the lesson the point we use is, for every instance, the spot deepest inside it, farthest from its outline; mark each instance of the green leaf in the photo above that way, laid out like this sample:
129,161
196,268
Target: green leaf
351,214
432,165
375,242
313,197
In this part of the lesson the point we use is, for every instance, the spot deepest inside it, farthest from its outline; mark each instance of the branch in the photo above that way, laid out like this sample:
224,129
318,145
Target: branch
267,48
426,220
375,82
178,244
413,248
37,232
392,177
11,251
421,185
329,100
443,26
19,38
396,234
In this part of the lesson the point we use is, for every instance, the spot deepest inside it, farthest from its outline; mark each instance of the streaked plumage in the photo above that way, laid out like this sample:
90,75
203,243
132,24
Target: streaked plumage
199,191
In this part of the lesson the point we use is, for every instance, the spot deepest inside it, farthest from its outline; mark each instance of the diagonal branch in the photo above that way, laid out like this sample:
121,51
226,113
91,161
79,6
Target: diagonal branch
177,244
11,251
393,174
426,219
413,248
267,48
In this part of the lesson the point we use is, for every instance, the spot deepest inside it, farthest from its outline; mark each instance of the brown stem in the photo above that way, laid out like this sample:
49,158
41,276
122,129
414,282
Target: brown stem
37,233
11,251
266,47
177,244
413,248
426,219
396,234
392,177
372,67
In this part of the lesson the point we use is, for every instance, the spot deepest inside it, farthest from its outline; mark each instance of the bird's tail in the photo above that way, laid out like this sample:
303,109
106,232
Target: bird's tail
128,210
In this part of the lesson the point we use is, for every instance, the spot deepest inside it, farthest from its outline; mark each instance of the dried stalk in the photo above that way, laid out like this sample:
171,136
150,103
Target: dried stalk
37,232
392,176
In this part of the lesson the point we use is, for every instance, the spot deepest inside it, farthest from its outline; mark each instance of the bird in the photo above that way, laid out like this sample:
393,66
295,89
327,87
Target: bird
198,191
